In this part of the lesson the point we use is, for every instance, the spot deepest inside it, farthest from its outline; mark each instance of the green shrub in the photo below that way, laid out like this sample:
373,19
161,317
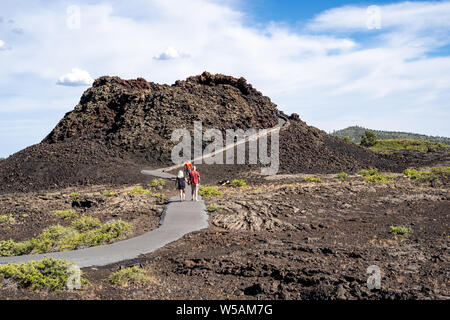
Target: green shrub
427,176
47,273
108,193
400,230
212,207
368,172
65,214
140,190
158,183
85,231
342,176
129,275
84,224
378,178
74,194
368,139
159,195
372,175
209,191
7,219
312,179
347,139
238,183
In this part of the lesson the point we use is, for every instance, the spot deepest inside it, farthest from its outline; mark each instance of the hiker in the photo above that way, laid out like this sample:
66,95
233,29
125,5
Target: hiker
180,183
187,169
194,177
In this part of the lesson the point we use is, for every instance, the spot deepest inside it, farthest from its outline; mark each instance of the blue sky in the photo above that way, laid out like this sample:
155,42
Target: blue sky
379,64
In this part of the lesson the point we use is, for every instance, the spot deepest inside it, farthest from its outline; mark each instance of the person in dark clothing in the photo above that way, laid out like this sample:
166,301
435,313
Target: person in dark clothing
180,183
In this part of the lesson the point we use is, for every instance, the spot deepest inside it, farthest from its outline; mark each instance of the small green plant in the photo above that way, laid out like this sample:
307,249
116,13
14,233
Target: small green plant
74,194
158,183
212,207
65,214
48,273
400,230
347,139
129,275
342,176
378,178
209,191
238,183
108,193
312,179
159,195
140,190
7,219
368,172
372,175
368,139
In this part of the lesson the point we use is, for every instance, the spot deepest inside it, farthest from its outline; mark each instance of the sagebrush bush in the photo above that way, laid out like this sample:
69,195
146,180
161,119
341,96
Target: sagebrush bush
48,273
400,230
158,183
212,207
238,183
427,176
74,194
130,275
368,172
209,191
342,176
65,214
108,193
85,231
312,179
7,219
140,190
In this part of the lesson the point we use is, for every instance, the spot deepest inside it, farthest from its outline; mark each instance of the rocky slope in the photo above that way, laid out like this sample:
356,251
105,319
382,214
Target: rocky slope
121,126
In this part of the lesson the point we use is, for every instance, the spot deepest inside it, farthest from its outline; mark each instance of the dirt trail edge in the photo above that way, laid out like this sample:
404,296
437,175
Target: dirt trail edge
178,219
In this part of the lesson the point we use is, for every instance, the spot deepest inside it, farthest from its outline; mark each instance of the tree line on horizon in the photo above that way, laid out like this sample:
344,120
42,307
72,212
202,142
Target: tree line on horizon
354,134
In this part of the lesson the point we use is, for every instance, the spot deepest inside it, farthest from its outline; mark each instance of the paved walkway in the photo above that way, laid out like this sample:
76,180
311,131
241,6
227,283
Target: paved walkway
179,218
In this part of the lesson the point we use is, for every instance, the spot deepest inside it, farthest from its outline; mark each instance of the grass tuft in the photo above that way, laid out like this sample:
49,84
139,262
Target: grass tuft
312,179
129,275
209,191
7,219
65,214
212,207
238,183
400,230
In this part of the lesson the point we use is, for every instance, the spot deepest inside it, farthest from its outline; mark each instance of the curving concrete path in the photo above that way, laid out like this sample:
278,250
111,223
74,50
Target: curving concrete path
178,219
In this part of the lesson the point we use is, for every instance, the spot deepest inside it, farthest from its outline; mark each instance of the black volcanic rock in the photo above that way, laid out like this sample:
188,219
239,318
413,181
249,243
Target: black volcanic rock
139,117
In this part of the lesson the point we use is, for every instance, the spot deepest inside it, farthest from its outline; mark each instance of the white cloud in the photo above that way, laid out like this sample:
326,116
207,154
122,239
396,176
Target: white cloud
387,78
412,16
170,53
4,46
75,78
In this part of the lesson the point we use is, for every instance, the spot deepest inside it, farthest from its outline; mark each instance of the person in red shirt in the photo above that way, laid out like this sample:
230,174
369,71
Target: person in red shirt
194,178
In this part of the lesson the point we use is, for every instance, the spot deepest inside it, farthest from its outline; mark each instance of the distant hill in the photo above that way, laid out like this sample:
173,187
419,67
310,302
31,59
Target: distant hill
354,134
